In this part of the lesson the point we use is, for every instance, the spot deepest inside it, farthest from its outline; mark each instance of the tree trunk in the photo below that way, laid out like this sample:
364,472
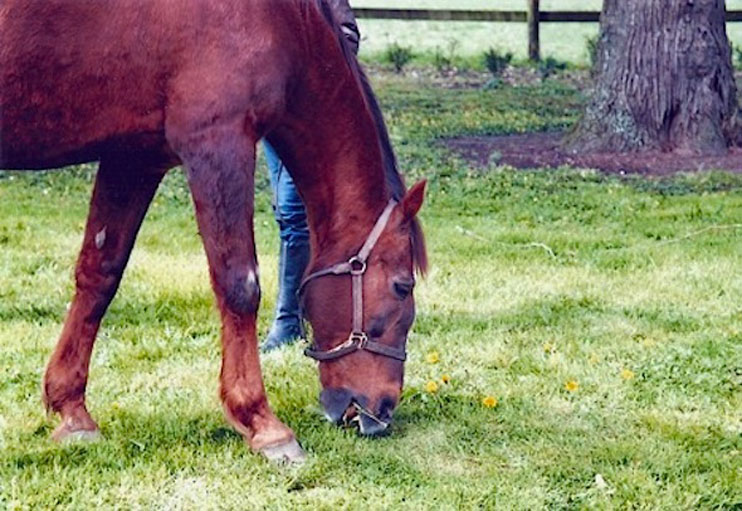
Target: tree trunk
664,80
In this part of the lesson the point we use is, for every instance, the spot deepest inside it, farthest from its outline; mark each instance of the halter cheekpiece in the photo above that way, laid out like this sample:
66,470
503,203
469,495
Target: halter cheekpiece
356,267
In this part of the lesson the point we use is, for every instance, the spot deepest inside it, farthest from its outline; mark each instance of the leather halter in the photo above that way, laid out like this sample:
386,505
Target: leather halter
355,267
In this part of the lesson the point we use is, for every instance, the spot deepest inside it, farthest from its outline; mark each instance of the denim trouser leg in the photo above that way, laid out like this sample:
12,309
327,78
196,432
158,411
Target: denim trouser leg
292,222
287,205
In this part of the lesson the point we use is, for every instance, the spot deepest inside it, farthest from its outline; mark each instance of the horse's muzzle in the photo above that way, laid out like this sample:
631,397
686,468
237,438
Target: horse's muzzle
343,407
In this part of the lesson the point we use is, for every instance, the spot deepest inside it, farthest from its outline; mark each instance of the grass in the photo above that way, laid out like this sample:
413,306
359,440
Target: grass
563,41
538,278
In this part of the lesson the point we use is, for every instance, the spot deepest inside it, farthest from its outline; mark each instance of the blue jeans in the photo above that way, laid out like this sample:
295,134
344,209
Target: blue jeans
287,205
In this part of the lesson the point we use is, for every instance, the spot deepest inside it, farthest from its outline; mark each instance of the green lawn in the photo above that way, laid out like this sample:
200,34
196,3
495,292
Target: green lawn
626,288
563,41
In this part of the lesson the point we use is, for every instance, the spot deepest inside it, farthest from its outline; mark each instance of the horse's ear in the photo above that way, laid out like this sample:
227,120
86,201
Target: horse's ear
413,200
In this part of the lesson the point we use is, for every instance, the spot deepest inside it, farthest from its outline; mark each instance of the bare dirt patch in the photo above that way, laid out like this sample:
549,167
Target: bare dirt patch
536,150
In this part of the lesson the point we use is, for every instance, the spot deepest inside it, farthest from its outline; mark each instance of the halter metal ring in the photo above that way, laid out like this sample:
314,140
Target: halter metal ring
360,339
357,266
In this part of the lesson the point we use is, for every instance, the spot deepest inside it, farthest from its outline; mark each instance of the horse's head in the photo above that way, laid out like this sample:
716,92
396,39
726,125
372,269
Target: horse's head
360,343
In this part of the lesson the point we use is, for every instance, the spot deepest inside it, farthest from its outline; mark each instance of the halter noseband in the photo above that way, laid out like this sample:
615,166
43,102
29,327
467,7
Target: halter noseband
356,267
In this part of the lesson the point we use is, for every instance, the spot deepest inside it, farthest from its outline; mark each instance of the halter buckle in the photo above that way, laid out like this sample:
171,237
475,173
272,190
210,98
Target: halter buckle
357,265
360,339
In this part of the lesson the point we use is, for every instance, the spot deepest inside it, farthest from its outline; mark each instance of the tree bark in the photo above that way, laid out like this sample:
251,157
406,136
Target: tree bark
664,80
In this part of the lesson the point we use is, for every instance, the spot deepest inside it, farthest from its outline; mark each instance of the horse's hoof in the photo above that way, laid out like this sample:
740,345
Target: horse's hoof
288,453
63,435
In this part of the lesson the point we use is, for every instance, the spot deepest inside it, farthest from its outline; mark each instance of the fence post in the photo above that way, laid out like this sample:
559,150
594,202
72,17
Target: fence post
534,51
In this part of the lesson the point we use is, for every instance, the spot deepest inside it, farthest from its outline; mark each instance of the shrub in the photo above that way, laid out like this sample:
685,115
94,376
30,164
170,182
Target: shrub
493,84
445,61
398,56
440,61
737,56
496,62
591,43
550,66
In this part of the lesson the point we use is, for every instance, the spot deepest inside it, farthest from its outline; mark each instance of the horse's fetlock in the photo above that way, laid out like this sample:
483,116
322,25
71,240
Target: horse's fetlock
244,408
60,394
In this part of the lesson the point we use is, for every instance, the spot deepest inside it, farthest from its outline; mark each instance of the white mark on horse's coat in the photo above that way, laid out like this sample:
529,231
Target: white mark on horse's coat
100,238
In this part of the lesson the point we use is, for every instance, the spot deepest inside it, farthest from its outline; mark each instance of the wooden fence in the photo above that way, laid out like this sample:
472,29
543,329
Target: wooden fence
533,16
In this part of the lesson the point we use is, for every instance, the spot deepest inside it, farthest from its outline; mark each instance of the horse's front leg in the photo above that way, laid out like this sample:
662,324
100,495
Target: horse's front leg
122,193
220,164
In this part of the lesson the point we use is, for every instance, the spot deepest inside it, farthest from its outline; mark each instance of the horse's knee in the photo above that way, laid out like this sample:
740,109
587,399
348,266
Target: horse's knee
95,277
242,294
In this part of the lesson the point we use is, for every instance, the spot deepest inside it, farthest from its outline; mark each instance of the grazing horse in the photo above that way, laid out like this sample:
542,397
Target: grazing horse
145,86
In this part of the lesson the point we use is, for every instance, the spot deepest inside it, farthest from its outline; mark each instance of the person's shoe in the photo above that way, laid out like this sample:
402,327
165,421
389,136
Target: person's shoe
286,328
281,334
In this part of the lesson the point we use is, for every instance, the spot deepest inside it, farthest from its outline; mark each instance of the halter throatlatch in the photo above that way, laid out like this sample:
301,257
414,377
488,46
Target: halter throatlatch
356,267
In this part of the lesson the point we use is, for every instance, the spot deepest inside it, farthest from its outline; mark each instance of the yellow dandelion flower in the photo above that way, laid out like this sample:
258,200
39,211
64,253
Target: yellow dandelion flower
571,386
431,387
432,357
549,347
627,374
489,401
446,378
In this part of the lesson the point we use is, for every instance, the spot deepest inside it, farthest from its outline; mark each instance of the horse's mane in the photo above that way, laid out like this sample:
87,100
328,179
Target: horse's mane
391,170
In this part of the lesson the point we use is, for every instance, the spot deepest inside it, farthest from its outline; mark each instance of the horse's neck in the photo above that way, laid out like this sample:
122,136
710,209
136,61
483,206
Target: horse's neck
329,141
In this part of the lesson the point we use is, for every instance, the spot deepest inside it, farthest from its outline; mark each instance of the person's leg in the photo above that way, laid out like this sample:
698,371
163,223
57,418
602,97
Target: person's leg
294,254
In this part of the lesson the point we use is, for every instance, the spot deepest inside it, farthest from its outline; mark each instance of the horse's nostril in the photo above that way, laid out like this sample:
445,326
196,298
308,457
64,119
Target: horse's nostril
376,423
386,407
335,402
373,426
343,407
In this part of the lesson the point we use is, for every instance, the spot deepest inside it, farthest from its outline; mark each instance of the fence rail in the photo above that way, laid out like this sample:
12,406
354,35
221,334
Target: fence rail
456,15
533,17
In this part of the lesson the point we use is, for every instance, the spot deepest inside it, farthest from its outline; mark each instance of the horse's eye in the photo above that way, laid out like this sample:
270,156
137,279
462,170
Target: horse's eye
403,288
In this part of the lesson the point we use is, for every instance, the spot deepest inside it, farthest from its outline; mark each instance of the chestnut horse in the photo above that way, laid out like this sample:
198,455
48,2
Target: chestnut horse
145,86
